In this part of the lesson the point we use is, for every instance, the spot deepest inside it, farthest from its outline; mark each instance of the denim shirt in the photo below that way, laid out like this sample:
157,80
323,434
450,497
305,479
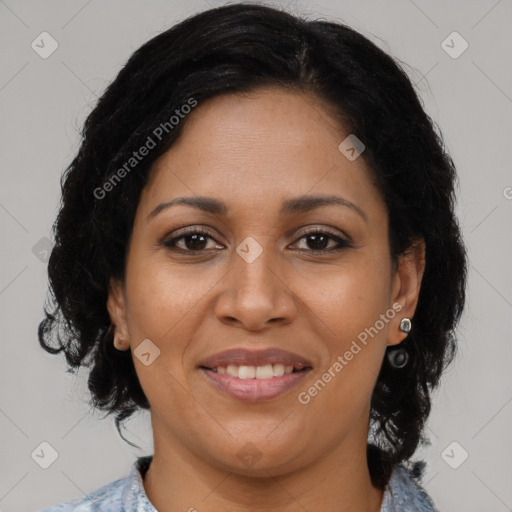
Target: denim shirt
402,494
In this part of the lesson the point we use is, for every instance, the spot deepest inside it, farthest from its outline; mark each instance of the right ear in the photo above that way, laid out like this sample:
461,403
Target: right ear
116,306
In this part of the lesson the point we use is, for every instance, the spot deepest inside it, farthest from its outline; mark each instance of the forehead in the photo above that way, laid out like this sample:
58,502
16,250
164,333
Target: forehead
258,147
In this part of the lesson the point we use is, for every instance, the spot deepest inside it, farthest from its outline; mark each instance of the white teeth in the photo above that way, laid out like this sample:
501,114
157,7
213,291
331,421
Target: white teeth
246,372
278,370
266,371
232,370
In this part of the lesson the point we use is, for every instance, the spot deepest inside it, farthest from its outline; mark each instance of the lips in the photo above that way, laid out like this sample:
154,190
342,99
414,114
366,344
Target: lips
255,376
244,357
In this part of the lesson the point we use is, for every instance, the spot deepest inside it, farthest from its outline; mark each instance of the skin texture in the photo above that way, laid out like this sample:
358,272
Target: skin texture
252,152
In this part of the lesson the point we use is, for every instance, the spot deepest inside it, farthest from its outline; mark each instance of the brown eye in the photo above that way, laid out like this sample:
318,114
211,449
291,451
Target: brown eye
319,240
192,241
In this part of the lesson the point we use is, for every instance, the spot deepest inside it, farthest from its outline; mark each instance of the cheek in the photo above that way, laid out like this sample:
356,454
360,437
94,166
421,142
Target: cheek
164,307
161,297
351,303
351,296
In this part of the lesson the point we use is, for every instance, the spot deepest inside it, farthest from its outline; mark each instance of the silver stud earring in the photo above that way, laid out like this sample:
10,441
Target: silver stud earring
405,325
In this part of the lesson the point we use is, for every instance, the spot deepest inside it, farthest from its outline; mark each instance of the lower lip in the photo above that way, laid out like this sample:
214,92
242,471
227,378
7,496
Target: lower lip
255,390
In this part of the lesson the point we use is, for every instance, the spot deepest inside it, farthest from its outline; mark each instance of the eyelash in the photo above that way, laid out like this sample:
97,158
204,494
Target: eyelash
342,243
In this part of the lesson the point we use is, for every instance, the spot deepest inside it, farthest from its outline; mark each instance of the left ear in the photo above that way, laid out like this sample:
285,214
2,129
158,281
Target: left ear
406,287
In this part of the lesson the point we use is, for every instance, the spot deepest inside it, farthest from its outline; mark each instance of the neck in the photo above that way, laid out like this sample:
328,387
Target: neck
179,480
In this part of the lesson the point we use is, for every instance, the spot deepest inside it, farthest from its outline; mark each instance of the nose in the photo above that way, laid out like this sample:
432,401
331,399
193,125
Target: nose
256,294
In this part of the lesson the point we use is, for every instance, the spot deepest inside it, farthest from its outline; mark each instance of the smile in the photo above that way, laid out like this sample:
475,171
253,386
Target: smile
267,371
255,383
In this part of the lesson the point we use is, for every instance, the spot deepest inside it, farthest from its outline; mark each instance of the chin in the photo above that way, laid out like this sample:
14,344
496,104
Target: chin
258,457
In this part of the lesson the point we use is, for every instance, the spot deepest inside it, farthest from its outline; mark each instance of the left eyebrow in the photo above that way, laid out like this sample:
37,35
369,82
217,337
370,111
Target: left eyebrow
306,203
290,206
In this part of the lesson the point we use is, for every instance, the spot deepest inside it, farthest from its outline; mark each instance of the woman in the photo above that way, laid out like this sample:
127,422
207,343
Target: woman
257,243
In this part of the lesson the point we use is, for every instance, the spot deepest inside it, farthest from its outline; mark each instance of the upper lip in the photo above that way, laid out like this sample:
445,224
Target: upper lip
245,357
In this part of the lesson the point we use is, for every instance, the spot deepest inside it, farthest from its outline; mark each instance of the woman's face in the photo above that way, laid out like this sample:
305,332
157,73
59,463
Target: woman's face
273,175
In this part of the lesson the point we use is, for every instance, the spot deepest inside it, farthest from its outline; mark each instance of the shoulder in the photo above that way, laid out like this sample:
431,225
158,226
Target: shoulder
405,494
108,498
122,495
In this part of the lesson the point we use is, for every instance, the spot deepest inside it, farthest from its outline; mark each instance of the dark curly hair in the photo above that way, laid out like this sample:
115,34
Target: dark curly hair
235,49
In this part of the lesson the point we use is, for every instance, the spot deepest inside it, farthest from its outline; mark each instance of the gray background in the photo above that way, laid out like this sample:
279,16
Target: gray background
43,103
